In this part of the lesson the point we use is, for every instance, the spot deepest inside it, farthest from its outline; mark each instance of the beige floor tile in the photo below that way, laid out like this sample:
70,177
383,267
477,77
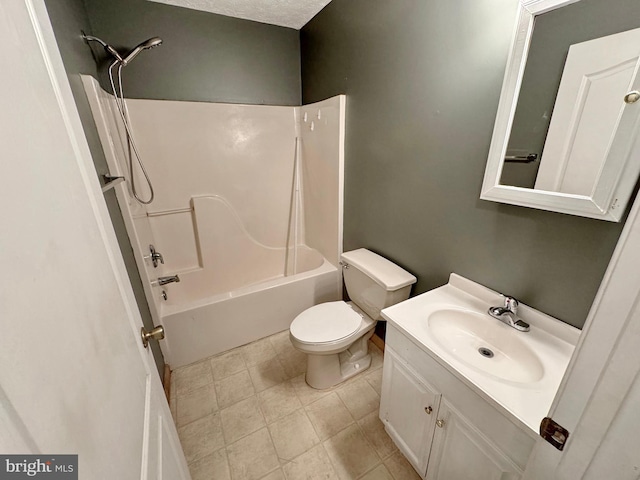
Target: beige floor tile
400,468
196,404
359,397
377,356
258,352
293,435
174,413
373,429
227,364
328,416
192,377
253,457
378,473
311,465
172,388
280,341
350,453
201,437
277,475
173,401
232,389
278,401
374,379
293,361
241,419
214,466
306,394
267,374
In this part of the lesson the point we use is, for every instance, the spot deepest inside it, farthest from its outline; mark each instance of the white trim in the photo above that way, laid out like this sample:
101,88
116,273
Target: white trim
613,191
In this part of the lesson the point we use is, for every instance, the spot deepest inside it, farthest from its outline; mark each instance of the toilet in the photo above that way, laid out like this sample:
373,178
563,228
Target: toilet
335,335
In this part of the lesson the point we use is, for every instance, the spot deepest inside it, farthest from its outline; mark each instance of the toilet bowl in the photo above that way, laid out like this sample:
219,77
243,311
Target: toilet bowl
335,335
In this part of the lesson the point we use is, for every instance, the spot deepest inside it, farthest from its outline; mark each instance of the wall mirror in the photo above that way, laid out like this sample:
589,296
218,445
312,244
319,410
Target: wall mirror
566,132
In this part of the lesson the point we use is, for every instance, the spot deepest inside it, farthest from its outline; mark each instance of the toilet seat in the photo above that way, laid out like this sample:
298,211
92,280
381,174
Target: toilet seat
326,323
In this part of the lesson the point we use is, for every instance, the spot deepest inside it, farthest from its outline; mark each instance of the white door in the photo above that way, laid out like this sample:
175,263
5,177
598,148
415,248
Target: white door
589,105
599,396
74,377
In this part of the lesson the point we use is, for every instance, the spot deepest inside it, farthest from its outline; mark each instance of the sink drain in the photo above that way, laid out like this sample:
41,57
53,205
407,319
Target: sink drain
485,352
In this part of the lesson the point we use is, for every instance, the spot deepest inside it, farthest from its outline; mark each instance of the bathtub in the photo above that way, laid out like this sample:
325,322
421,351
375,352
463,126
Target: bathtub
250,217
243,289
199,328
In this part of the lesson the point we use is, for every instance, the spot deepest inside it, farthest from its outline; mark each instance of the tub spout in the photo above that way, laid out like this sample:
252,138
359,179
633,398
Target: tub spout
169,279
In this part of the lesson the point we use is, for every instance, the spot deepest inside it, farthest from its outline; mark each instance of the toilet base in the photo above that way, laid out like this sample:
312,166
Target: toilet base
325,371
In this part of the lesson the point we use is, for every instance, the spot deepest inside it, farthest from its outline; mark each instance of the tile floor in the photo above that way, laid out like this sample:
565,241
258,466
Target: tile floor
247,414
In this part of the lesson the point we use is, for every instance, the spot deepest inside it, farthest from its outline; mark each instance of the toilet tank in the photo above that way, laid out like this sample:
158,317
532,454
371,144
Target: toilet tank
373,282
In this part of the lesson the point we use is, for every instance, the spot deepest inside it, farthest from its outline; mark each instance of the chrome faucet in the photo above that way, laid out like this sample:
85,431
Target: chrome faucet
509,314
169,279
155,256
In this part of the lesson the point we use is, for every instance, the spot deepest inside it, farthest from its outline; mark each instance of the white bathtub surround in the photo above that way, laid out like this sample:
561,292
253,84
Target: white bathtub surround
248,201
322,163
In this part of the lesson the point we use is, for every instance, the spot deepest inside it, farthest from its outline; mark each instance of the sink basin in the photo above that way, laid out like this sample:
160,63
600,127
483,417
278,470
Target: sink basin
485,344
519,371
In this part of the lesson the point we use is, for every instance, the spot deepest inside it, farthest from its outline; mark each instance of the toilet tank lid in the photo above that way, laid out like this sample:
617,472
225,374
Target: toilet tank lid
386,273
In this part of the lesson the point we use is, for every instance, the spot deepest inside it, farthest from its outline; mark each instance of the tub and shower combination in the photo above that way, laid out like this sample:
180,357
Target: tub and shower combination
247,212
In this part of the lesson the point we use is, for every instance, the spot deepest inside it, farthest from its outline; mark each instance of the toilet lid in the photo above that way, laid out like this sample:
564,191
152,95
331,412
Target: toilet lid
327,322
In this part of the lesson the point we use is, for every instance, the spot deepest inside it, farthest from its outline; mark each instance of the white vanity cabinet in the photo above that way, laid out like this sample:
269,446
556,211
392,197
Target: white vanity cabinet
461,451
442,426
408,408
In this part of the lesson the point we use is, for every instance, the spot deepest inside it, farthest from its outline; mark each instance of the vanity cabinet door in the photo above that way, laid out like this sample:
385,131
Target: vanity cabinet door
408,408
461,452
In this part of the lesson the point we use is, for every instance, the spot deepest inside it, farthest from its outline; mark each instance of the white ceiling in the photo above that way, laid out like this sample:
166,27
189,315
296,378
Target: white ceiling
286,13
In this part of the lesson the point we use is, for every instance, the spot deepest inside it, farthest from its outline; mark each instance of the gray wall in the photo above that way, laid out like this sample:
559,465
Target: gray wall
68,18
423,79
204,57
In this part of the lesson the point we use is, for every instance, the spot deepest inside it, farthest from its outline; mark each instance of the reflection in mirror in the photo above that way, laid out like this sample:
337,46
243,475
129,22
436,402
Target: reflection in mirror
564,138
580,41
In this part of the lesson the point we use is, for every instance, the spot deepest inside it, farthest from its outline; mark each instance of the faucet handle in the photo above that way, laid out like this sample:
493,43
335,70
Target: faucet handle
510,303
155,256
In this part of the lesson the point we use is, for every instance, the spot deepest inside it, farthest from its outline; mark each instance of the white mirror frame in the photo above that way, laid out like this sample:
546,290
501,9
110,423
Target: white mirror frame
617,179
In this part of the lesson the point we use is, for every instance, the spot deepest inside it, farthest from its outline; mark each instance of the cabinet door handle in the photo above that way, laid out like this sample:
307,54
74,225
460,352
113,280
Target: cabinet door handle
428,410
440,423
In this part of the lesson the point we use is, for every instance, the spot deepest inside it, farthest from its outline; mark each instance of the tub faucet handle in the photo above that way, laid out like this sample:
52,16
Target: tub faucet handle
155,256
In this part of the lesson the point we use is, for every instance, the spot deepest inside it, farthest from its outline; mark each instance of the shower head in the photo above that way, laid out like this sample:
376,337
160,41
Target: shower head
152,42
